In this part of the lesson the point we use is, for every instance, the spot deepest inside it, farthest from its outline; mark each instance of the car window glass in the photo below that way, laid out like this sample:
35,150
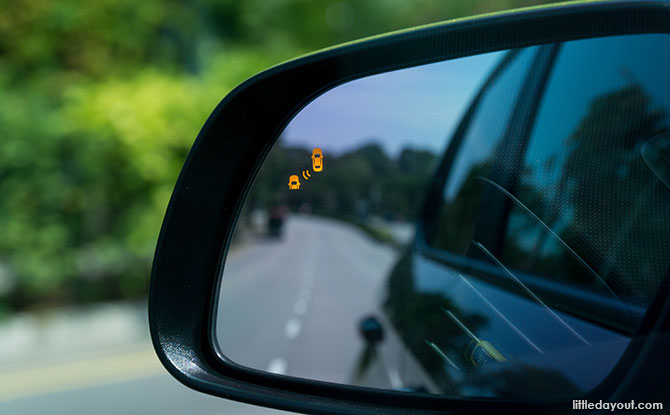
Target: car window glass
587,208
477,155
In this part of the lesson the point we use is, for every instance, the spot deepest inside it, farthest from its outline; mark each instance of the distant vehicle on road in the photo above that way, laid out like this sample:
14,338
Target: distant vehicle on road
276,219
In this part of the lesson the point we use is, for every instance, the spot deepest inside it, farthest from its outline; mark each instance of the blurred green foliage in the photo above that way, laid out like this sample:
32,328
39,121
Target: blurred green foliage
101,102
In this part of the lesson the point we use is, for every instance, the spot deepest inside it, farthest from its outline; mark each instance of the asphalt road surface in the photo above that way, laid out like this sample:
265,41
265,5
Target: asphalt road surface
291,305
288,305
158,394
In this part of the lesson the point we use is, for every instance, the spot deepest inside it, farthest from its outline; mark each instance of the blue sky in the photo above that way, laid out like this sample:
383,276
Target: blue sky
416,107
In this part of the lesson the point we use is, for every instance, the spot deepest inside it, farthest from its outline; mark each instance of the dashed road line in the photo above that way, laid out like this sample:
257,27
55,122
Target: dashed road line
300,307
394,378
292,328
277,366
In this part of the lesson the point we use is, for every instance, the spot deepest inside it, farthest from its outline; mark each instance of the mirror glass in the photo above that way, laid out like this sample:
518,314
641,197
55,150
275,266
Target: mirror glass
491,226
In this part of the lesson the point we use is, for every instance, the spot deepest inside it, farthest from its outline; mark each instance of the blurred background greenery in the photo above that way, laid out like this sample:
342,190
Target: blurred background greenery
101,102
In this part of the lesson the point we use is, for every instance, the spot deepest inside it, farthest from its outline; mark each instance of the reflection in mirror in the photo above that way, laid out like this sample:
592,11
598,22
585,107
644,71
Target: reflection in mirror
487,226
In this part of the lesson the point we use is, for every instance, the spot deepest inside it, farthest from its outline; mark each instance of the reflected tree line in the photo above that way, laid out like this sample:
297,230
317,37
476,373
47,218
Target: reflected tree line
352,186
601,200
608,205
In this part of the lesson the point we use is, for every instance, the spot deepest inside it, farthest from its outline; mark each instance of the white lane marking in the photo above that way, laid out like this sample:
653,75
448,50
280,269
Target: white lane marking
304,293
277,366
309,269
300,307
307,282
394,378
304,299
304,296
292,328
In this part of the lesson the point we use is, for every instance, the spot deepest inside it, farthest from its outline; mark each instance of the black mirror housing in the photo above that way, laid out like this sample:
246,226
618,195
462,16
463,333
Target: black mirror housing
233,143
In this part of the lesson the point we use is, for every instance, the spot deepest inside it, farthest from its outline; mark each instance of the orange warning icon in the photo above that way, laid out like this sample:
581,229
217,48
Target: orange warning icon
317,160
294,182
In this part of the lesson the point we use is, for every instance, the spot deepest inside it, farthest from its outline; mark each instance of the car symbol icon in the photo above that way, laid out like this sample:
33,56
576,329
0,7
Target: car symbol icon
317,159
293,182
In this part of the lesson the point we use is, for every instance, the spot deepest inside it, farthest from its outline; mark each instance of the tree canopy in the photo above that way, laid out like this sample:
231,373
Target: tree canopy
101,102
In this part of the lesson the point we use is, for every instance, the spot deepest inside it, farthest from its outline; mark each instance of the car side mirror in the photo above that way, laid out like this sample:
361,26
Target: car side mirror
449,236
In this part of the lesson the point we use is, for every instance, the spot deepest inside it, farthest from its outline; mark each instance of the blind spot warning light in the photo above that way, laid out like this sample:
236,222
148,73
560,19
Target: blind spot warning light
317,160
317,166
293,182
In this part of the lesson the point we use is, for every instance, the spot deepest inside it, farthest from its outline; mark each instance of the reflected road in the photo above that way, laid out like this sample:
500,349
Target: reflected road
291,305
